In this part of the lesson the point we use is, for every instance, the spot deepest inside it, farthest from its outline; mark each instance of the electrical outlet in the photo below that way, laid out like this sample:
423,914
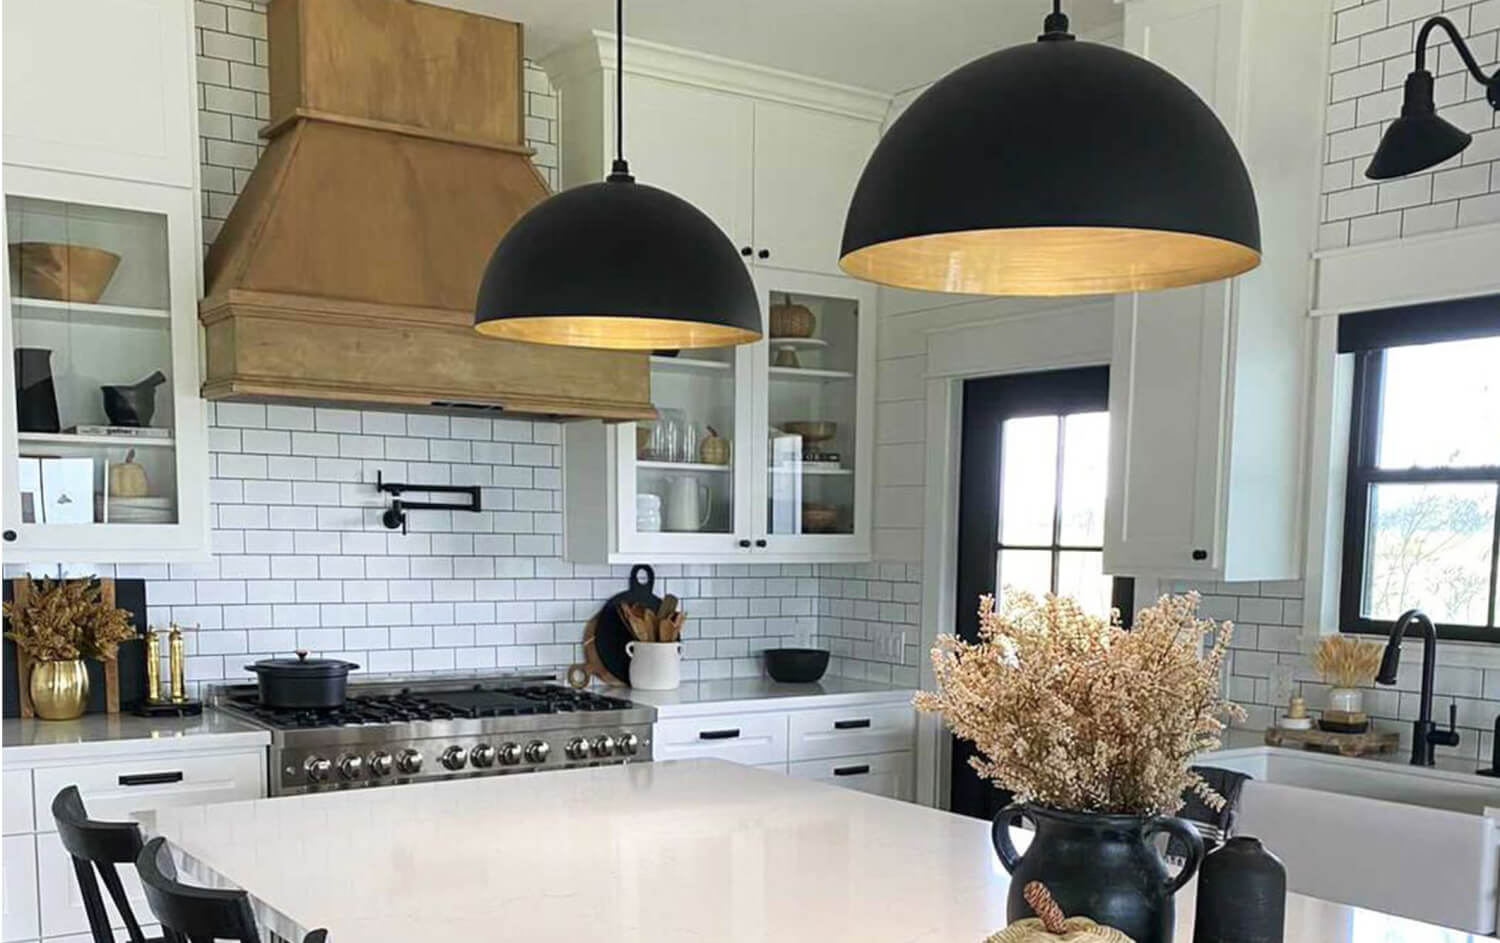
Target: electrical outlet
1282,684
889,642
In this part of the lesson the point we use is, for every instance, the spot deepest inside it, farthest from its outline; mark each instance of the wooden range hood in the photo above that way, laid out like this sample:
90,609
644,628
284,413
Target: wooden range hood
348,267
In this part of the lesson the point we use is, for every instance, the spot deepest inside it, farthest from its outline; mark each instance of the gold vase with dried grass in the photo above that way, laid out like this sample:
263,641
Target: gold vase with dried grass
1348,664
61,623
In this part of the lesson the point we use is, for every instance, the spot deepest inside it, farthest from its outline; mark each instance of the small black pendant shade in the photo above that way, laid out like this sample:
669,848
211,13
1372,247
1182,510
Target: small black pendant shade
617,265
1054,168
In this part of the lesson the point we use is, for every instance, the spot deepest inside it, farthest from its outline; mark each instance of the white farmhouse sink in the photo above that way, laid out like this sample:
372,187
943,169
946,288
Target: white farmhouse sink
1422,843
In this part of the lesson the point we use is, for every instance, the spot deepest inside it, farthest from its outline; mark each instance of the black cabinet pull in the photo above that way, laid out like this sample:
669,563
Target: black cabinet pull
719,734
851,724
1200,554
745,251
10,535
764,253
859,770
151,779
760,543
744,543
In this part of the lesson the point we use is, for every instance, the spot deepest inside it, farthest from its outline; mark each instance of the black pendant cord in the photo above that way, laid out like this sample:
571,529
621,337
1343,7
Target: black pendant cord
1464,53
619,171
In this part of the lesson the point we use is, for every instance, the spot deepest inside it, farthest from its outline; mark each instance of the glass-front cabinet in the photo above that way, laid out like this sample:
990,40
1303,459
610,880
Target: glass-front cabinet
104,436
761,452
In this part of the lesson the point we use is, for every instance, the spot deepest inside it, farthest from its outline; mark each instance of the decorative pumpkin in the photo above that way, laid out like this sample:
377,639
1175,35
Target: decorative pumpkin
1050,926
127,479
714,449
792,320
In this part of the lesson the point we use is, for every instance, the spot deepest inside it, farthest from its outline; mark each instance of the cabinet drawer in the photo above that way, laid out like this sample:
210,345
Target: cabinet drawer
62,909
881,774
15,808
840,731
752,739
114,790
18,867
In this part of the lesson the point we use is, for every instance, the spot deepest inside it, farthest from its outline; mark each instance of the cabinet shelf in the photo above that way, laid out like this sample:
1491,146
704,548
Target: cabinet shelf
106,314
683,467
688,365
67,438
805,470
797,342
810,374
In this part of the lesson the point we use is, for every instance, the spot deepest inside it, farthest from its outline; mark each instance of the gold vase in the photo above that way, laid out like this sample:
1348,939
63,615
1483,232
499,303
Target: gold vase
59,689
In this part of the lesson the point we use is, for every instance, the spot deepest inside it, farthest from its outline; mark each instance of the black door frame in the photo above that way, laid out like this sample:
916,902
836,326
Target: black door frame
987,403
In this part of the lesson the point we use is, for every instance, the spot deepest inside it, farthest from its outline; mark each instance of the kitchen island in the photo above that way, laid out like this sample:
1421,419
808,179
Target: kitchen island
694,850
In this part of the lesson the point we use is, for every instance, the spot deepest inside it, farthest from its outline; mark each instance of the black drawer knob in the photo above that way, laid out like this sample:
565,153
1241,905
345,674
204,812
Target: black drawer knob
745,251
1200,554
744,543
10,535
764,253
760,543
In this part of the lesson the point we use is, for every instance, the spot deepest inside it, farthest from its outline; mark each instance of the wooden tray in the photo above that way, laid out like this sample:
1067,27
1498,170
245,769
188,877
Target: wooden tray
1325,741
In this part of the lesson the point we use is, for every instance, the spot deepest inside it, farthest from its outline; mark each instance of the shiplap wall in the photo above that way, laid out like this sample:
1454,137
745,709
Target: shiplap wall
1373,44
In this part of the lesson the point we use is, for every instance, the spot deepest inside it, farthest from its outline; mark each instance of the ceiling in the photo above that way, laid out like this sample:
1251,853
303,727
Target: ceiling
885,45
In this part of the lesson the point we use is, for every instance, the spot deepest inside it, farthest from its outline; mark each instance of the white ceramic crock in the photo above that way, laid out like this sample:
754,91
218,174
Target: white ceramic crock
655,666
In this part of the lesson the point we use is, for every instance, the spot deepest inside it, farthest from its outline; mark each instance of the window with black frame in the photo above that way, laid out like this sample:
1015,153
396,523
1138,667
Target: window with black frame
1422,502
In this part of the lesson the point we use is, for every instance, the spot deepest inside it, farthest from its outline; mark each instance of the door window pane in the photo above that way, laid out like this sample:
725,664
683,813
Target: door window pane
1440,405
1084,477
1028,479
685,458
1029,570
1429,546
1080,574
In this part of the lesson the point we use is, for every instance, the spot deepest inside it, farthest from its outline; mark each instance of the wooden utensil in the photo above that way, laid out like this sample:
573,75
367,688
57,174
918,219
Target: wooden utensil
668,607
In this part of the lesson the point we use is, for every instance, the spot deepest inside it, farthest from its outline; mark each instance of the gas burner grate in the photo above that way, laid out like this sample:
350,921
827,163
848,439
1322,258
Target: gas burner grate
411,705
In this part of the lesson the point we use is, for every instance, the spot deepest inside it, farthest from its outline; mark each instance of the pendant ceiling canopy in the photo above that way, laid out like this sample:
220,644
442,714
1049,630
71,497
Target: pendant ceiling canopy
1054,168
618,265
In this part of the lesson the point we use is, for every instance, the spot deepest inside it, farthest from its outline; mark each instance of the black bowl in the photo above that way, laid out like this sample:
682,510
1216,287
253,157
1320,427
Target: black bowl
796,665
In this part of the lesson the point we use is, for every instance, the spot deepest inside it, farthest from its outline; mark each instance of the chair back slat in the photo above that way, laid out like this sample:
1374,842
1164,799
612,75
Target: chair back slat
98,846
199,913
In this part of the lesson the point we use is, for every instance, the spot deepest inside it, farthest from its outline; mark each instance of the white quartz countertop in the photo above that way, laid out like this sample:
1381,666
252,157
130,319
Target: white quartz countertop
757,694
30,740
667,852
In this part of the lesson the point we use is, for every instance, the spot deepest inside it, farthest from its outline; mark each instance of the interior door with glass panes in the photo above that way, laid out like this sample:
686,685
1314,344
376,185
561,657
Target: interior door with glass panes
682,489
102,337
817,409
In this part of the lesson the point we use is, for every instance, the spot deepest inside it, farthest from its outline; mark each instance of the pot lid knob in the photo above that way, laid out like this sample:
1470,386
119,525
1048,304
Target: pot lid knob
302,654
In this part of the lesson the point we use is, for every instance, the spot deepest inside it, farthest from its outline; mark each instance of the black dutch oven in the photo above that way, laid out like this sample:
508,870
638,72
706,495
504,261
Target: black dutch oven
302,683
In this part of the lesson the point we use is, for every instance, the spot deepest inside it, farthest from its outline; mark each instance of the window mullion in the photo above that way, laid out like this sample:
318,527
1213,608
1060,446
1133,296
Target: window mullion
1495,565
1057,494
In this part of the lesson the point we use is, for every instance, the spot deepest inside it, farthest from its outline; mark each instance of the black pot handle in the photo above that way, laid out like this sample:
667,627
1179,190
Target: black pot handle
1000,835
1178,828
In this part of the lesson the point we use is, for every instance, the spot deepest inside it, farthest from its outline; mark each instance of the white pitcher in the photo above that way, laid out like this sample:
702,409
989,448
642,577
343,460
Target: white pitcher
689,503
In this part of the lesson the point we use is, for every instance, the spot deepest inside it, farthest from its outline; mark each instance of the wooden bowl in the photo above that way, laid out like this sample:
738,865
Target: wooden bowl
790,320
812,431
60,272
819,518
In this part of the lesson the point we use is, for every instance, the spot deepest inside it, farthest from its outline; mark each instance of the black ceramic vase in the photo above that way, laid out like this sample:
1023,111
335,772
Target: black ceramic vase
132,405
1103,867
1241,895
36,397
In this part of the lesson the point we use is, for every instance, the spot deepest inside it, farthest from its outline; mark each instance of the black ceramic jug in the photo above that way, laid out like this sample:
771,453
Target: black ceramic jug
1241,895
36,396
1103,867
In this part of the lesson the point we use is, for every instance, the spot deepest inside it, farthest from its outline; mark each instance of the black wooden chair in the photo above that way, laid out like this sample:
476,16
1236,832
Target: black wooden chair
99,845
191,914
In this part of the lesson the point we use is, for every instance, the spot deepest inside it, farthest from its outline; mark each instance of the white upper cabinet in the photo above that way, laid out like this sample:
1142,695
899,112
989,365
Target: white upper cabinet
1207,383
772,158
100,87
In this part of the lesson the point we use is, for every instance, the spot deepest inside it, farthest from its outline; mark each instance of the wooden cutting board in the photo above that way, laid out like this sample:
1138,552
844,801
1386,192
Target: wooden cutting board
1326,741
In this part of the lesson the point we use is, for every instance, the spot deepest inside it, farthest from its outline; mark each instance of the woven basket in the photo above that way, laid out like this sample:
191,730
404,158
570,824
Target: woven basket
791,320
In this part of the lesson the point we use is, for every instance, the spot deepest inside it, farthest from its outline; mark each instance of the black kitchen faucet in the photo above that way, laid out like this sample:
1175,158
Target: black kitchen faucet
1424,733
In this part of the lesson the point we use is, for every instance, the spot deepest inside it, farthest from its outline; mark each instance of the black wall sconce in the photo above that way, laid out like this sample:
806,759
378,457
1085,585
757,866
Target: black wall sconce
395,515
1419,139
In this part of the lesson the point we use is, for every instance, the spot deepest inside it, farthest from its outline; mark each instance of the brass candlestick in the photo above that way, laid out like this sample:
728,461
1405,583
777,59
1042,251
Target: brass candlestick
174,657
153,665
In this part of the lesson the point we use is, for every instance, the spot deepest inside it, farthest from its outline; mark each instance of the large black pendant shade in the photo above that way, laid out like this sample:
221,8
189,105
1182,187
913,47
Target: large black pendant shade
1054,168
617,265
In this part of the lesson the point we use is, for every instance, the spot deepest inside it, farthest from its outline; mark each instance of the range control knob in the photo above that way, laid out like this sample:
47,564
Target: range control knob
628,744
537,751
409,762
317,768
482,755
604,745
381,764
351,766
577,749
510,754
454,758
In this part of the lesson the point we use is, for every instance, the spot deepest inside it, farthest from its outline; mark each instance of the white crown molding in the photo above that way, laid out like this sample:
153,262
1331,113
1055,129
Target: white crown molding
1440,266
597,54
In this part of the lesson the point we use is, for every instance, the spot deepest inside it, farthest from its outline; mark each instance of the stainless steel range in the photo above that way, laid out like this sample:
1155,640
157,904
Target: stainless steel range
407,731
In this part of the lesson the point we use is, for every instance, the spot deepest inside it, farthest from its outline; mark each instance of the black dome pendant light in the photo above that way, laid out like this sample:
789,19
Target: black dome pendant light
1054,168
1419,139
617,265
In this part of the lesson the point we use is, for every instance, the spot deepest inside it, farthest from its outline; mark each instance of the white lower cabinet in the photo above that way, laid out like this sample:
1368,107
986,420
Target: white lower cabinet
880,774
42,900
19,917
868,746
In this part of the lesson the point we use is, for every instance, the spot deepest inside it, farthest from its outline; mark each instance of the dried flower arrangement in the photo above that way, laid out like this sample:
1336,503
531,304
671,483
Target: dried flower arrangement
1347,662
1072,711
62,620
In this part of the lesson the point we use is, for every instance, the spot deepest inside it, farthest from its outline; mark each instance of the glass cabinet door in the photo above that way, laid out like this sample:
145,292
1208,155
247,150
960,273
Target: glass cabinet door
92,345
686,461
816,393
